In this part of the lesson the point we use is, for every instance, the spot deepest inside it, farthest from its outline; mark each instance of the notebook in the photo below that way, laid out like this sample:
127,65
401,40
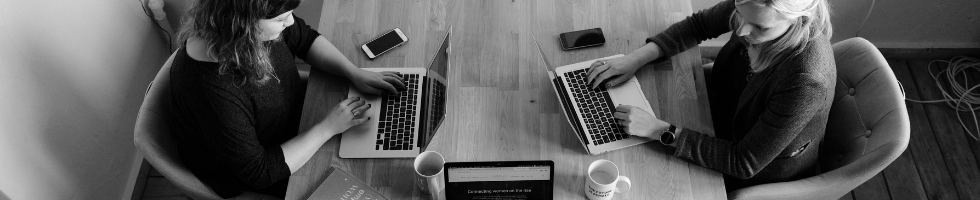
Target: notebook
341,185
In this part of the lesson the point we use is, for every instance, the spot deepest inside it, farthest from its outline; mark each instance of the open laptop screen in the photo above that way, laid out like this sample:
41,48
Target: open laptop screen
500,180
434,91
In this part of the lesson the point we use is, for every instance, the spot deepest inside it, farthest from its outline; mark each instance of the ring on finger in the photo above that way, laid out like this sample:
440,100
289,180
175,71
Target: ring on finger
355,112
602,62
602,70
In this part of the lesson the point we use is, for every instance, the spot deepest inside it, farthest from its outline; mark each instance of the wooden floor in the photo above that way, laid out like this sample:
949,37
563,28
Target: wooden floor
941,161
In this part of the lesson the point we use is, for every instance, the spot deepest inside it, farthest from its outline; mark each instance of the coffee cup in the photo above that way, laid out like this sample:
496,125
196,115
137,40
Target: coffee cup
603,179
428,173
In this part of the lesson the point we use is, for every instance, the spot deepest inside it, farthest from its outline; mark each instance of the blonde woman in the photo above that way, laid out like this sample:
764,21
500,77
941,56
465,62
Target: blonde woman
771,89
238,96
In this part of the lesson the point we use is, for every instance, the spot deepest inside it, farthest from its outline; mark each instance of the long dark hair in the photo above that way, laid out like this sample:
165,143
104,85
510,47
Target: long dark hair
230,29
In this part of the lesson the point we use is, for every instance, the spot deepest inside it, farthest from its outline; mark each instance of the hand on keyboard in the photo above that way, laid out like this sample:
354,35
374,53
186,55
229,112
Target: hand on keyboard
396,124
612,72
377,82
348,113
638,122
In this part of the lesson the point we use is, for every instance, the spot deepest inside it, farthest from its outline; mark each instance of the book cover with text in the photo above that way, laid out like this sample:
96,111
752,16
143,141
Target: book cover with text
341,185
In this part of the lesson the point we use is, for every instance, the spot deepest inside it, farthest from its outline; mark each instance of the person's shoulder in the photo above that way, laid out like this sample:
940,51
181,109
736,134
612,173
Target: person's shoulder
816,55
815,60
197,49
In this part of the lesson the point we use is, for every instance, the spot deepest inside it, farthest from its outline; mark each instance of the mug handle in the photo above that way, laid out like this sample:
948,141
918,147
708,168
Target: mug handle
624,179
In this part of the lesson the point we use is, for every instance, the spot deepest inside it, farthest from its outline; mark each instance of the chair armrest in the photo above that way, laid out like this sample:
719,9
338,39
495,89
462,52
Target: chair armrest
829,185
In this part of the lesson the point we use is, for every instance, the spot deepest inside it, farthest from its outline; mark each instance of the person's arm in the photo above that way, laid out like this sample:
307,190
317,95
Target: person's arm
645,54
683,35
323,55
701,26
298,150
787,113
307,44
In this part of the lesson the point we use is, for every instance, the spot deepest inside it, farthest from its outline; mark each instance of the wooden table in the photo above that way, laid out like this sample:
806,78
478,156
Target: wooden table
501,106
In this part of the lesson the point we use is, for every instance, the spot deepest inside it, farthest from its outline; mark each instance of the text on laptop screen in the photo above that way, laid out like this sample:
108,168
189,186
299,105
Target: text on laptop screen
523,182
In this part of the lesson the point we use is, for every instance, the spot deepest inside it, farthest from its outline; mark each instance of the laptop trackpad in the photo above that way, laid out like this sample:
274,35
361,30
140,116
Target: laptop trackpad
629,93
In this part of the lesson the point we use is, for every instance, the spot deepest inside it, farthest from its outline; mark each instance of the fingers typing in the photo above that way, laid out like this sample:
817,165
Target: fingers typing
350,100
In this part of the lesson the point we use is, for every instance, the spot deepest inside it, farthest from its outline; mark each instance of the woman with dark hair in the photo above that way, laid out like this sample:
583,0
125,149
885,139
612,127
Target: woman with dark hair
770,91
238,96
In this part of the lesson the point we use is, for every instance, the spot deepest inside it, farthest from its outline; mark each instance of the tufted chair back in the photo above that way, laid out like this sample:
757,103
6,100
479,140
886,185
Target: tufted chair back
867,129
153,139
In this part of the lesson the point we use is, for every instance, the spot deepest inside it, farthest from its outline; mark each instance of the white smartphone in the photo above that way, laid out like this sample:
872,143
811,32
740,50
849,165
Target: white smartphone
384,43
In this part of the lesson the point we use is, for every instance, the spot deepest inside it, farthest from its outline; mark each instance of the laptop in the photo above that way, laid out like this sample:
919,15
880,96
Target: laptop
590,111
403,124
516,180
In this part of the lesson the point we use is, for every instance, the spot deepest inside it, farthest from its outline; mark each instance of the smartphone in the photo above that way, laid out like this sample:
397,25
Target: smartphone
384,43
582,39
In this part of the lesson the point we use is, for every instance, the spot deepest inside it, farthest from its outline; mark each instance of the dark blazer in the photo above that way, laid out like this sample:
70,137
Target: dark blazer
777,117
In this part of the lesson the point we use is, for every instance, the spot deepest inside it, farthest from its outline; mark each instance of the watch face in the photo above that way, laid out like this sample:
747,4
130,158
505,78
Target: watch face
667,138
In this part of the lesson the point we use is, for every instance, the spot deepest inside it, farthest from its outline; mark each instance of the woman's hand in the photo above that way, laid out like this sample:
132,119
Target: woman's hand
613,71
638,122
349,113
375,82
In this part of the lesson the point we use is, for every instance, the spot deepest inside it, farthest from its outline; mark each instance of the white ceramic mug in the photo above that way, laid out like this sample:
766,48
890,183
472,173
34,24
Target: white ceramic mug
602,180
428,173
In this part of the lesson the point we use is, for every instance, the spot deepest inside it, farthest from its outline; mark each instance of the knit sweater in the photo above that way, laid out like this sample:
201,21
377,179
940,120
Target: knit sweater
769,124
228,131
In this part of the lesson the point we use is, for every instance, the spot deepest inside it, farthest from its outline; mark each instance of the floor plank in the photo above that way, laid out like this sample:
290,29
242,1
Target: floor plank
873,189
903,179
936,180
971,122
902,176
959,156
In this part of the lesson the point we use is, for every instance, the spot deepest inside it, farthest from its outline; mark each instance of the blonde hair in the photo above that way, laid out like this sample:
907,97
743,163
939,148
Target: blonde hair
812,20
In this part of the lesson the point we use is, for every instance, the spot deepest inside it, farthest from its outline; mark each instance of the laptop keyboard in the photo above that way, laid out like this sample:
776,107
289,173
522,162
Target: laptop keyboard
396,129
597,109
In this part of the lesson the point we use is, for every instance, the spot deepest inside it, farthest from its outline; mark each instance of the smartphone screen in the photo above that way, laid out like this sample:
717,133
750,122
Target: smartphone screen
384,43
582,38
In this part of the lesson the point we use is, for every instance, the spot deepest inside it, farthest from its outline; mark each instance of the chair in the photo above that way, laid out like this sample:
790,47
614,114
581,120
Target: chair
867,129
152,138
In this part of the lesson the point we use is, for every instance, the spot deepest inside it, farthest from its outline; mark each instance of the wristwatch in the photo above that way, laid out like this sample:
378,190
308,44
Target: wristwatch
667,137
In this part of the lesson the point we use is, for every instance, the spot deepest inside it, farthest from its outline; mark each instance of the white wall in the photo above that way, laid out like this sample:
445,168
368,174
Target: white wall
898,23
72,77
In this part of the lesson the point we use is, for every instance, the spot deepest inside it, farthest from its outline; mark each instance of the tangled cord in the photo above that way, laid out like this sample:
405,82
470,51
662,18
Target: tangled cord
170,38
963,97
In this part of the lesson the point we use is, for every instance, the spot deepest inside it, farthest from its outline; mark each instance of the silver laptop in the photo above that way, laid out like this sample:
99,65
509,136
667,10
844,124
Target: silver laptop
590,111
403,124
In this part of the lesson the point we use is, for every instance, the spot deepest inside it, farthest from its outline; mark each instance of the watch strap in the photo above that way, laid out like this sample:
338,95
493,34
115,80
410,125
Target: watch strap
668,137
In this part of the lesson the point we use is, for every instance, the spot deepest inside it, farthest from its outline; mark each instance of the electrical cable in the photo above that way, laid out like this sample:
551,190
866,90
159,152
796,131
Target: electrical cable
170,39
963,98
858,33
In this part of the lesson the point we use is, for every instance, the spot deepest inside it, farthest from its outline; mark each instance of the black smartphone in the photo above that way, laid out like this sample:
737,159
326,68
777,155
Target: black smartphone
582,39
383,43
